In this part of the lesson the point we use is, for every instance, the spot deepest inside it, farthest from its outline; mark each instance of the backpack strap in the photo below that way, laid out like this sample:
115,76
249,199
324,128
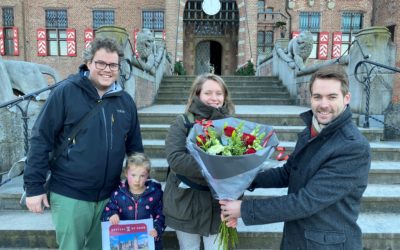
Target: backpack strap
188,121
71,136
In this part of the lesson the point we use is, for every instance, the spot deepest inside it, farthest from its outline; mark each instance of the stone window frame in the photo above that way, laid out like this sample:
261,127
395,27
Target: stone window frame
8,30
265,42
56,31
349,28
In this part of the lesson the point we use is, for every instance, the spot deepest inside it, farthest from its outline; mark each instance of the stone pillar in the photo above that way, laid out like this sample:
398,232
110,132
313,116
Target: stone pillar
373,42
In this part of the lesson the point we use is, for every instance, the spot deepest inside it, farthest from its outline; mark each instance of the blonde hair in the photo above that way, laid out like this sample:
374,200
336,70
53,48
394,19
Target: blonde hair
198,85
137,160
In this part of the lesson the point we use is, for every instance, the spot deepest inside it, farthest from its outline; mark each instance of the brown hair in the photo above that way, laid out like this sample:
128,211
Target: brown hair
138,160
198,84
332,72
109,44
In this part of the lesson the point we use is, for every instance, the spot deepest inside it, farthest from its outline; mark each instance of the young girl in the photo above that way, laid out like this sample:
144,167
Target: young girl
189,207
138,197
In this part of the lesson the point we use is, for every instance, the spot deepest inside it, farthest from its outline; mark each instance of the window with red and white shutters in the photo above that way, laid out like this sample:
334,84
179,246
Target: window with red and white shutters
41,42
71,42
323,45
337,44
88,37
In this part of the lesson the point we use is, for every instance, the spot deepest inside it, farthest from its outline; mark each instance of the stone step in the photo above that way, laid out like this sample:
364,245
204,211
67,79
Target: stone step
236,100
378,198
227,79
22,229
382,172
285,133
273,87
274,115
174,95
381,151
232,85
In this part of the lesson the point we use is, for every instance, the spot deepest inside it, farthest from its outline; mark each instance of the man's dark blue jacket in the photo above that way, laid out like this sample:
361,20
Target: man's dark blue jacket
90,167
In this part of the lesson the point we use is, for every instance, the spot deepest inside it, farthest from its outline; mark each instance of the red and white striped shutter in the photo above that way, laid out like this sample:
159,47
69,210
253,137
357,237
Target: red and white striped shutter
2,50
337,44
135,32
88,37
42,43
71,42
15,41
323,45
295,34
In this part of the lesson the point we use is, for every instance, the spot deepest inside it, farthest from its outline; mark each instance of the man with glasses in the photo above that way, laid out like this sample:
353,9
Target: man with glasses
89,167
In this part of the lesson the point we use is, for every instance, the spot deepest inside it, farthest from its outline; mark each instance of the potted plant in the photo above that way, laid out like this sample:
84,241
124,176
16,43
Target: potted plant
282,26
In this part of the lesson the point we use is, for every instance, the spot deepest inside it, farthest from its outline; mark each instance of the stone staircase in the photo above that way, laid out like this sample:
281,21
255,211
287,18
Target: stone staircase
379,218
244,90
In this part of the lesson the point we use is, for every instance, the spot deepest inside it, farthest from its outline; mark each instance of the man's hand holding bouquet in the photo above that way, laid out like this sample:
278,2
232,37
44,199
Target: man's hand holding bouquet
230,153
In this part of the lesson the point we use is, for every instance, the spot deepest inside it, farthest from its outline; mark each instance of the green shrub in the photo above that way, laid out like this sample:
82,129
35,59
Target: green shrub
179,69
247,70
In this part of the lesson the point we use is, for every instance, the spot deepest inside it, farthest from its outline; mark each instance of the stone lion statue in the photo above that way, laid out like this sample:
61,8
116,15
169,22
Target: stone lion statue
25,77
298,50
150,54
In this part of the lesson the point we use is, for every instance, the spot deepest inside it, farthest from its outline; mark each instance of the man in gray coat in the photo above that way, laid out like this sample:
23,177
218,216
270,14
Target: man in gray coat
326,175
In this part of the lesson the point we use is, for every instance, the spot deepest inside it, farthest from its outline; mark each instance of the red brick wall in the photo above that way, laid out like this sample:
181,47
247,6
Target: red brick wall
30,15
387,13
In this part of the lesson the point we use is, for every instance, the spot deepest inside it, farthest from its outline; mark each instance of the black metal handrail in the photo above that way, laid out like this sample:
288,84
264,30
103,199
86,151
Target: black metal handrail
24,110
366,81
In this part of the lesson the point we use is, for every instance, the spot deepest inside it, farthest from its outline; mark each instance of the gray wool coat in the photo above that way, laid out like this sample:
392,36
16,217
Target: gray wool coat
326,177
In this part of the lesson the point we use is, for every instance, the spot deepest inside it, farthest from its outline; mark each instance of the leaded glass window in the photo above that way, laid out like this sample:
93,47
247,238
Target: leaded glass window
351,24
8,23
56,24
8,17
261,6
103,17
265,42
153,20
311,21
56,19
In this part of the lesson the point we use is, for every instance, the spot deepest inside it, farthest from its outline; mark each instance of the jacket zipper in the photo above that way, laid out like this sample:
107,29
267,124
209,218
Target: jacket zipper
107,158
136,209
111,131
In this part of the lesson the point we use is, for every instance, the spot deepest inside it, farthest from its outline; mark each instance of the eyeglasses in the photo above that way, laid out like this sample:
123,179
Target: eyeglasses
103,65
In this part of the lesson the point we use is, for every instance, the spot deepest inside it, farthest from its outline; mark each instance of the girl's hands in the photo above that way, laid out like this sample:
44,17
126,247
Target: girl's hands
153,233
114,219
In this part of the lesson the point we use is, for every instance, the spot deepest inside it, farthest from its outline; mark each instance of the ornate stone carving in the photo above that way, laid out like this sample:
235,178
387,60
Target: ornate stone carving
26,77
150,53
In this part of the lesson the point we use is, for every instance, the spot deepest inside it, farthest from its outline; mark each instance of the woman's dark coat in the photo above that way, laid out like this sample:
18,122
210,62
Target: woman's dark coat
187,209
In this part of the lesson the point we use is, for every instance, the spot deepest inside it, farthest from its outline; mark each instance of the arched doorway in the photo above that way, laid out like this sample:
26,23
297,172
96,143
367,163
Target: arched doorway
210,39
208,57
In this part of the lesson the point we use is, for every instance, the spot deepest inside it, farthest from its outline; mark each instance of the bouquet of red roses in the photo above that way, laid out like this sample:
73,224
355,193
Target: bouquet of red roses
230,153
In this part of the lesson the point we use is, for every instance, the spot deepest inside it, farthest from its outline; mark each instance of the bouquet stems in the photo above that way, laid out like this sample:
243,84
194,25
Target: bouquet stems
227,237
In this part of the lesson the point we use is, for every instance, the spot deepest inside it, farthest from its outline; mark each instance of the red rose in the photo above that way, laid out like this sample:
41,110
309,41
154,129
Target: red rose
248,139
201,140
250,151
228,130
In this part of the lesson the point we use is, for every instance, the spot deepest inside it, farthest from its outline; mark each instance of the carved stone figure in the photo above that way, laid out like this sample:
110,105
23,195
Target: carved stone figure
298,50
150,54
26,77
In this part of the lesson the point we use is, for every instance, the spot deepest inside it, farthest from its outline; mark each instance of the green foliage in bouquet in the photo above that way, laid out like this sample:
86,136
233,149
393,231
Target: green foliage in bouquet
232,142
227,237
